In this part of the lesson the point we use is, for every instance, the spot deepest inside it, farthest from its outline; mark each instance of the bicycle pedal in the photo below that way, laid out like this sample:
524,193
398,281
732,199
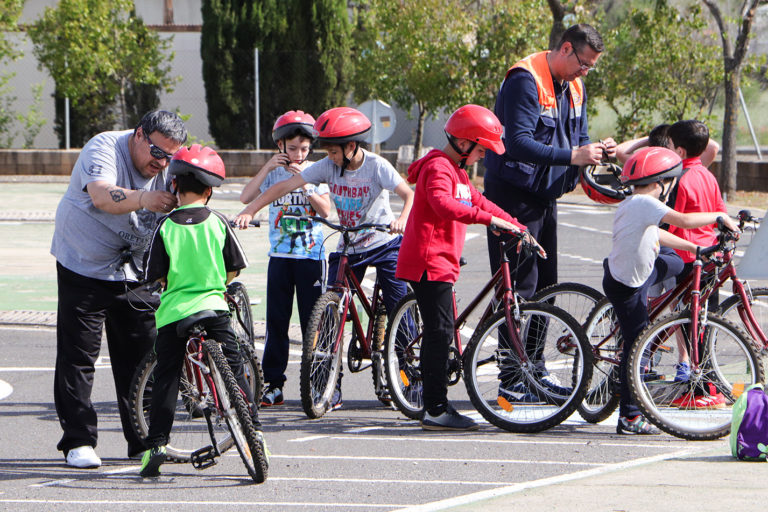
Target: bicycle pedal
204,457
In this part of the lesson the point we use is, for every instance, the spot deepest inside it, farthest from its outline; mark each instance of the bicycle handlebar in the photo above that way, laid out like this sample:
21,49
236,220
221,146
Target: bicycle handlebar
339,227
255,223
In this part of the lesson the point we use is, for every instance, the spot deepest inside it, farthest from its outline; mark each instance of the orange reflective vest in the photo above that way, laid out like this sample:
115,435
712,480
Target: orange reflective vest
536,65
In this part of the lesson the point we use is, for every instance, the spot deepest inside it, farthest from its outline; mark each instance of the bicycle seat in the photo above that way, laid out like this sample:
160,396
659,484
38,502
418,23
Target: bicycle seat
184,326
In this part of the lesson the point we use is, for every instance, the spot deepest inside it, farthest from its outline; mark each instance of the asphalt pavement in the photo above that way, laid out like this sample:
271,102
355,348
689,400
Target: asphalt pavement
362,457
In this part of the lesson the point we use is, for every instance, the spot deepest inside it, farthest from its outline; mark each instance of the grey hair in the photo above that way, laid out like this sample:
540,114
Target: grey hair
168,124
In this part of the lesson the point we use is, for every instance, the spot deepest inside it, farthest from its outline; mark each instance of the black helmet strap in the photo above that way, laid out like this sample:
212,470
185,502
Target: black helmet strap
463,154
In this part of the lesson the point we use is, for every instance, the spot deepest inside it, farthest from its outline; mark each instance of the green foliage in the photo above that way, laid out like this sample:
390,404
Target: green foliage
303,62
104,59
441,54
660,65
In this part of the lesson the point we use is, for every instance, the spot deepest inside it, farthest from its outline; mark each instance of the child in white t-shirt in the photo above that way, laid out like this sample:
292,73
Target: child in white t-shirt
637,260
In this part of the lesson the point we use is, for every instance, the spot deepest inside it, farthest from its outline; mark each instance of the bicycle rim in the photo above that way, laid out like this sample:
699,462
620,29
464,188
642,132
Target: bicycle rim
402,356
537,394
249,442
320,363
728,364
190,430
603,334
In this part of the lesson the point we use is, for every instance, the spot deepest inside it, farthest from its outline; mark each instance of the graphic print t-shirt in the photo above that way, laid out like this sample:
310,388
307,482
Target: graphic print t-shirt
360,196
290,237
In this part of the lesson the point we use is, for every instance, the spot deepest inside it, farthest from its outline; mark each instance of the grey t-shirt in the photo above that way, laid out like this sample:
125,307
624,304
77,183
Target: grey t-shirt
636,239
360,196
89,241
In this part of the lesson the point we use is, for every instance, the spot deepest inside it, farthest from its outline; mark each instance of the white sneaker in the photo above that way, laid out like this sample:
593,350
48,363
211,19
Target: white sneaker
83,457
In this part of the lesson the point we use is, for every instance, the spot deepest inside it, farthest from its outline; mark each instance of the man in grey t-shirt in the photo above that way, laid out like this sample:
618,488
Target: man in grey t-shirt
116,194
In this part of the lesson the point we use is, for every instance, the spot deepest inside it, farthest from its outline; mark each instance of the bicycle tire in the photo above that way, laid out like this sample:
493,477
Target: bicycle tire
576,299
242,304
190,431
561,349
602,331
402,356
729,362
759,304
320,365
378,376
250,442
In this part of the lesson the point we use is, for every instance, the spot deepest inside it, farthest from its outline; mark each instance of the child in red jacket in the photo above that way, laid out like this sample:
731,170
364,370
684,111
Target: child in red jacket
444,203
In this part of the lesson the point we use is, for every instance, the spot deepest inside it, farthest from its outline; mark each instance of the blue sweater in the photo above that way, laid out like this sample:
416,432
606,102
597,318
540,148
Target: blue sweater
538,151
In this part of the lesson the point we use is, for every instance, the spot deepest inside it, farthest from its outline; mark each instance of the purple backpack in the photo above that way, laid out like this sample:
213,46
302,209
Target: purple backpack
749,427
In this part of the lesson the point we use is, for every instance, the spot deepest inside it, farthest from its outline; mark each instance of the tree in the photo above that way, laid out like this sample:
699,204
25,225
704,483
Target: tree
659,65
230,33
304,61
733,60
441,54
571,8
100,54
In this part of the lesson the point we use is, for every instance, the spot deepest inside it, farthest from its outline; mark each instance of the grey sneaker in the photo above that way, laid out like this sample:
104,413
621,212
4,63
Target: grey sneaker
272,396
450,419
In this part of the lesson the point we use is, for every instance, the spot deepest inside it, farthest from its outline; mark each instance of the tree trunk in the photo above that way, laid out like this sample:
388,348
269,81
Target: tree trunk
419,131
558,27
730,120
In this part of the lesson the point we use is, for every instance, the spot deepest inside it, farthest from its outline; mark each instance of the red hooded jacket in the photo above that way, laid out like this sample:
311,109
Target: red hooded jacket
444,203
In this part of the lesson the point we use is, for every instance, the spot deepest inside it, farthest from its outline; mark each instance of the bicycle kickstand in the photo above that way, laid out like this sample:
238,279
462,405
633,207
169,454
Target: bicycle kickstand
205,457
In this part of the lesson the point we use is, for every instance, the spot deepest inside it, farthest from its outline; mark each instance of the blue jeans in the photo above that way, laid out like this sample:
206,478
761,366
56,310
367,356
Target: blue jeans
631,307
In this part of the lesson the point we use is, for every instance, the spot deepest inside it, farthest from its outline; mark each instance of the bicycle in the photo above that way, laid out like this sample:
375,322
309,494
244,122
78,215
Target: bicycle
323,340
191,429
659,361
496,353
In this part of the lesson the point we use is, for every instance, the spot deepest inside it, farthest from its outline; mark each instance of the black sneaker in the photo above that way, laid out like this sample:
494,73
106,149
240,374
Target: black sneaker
272,396
449,419
150,463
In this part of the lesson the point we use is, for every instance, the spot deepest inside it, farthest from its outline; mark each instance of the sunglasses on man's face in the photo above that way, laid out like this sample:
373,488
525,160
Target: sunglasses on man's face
156,152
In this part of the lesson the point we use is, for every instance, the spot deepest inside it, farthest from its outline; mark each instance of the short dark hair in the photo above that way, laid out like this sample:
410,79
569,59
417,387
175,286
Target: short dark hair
659,137
581,35
691,134
166,123
188,183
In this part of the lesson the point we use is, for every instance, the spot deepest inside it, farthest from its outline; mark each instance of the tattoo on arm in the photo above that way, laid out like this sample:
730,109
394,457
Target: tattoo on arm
117,195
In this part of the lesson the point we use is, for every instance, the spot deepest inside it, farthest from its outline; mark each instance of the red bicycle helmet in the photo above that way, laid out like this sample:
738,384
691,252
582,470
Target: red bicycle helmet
293,123
651,164
601,183
477,124
202,162
340,125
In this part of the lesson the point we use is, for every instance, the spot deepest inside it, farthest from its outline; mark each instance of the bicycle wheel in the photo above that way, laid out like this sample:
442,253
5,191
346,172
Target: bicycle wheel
320,357
602,331
540,392
377,355
729,309
699,409
241,304
250,442
190,431
402,353
576,299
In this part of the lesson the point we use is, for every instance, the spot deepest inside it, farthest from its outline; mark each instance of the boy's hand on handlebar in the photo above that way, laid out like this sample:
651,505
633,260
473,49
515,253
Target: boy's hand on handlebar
730,224
397,227
242,220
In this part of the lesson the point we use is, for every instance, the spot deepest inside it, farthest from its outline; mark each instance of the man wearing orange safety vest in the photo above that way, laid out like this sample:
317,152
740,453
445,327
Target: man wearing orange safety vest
542,105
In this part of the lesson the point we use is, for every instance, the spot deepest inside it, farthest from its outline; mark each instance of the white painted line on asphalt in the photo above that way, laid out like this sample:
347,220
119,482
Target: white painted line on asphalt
361,429
306,439
409,460
27,369
141,504
126,469
543,482
51,483
5,389
580,258
585,228
372,481
475,440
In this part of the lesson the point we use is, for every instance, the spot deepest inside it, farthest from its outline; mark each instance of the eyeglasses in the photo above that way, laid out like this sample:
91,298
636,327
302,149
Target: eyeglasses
156,152
584,67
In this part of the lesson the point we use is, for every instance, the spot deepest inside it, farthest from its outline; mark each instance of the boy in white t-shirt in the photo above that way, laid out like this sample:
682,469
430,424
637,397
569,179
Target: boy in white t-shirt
359,183
637,261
